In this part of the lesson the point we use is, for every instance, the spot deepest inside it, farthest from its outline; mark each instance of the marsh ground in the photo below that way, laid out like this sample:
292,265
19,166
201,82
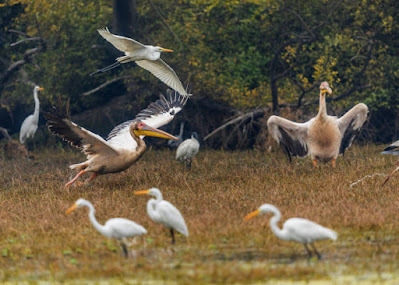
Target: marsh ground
39,242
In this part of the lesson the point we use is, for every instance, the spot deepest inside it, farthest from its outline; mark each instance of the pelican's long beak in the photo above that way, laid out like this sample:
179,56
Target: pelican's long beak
152,132
329,90
41,89
71,209
141,192
251,215
165,49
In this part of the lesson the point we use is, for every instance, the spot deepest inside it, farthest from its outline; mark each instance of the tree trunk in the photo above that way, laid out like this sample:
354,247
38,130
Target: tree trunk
274,91
124,17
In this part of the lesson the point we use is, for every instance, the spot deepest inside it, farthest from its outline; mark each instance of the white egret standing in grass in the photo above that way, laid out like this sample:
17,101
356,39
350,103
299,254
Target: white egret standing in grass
295,229
394,150
124,145
188,149
145,56
323,137
29,125
163,212
117,228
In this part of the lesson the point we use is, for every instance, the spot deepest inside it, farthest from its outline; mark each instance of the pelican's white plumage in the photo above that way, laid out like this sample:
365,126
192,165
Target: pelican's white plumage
30,124
163,212
124,145
147,57
295,229
117,228
323,137
188,149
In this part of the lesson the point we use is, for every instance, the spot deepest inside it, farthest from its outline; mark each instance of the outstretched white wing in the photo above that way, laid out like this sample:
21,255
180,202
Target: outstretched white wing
121,43
156,115
164,73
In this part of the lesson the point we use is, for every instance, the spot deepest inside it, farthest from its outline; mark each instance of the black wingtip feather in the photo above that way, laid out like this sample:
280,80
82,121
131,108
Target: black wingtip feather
58,124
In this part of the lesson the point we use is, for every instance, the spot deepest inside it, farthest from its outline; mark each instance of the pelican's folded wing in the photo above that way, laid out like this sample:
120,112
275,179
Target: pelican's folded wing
291,136
77,136
350,124
163,72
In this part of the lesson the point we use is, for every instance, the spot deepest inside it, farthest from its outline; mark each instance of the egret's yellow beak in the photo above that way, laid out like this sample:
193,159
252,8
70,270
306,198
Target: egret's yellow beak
141,192
251,215
71,209
41,88
167,50
152,132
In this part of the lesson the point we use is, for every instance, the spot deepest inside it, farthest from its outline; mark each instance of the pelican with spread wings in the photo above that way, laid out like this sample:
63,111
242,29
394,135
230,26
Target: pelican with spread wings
124,145
323,137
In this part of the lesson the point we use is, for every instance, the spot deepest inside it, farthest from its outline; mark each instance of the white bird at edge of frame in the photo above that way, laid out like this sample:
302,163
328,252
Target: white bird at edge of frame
163,212
117,228
394,150
145,56
295,229
29,125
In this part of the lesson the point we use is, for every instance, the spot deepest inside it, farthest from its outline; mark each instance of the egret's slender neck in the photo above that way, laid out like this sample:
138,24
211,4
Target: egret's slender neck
322,105
93,220
158,196
151,209
37,103
280,233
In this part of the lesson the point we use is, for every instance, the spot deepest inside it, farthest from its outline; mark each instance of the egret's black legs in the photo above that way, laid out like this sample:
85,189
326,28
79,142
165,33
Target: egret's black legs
315,250
308,250
188,163
109,67
172,233
125,252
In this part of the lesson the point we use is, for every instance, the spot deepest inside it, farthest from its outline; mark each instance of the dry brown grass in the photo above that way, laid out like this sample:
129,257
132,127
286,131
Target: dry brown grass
39,242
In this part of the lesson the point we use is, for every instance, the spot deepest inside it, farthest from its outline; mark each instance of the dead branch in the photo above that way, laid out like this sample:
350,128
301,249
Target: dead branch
105,84
240,120
166,24
25,40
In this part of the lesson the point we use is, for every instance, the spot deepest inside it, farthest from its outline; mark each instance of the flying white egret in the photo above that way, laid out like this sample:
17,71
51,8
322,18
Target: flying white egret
124,145
188,149
175,144
29,125
392,149
323,137
295,229
145,56
117,228
163,212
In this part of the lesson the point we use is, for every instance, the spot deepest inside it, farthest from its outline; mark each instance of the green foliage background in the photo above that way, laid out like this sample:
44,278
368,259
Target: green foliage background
230,51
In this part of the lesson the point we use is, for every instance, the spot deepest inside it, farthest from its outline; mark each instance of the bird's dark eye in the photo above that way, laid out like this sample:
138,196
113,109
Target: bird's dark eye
172,112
